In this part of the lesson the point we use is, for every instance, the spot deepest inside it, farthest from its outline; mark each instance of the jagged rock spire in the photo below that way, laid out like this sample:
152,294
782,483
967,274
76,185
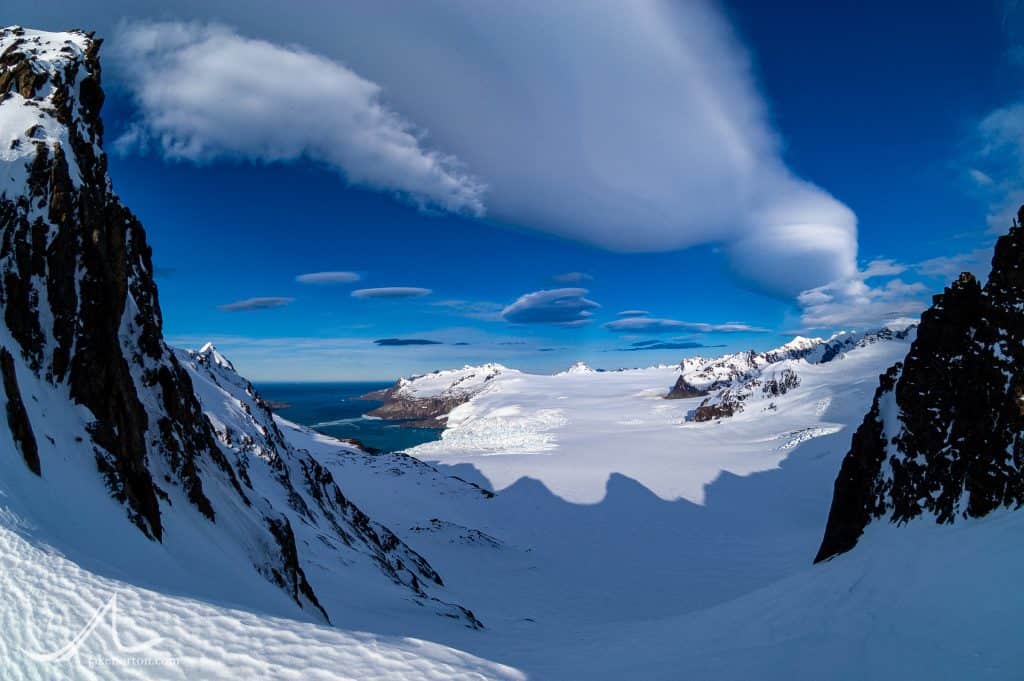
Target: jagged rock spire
945,433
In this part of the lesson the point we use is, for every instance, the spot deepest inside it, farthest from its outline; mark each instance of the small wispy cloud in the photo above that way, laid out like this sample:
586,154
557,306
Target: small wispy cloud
560,307
977,262
995,165
572,277
392,292
655,325
980,178
398,342
634,313
882,267
328,278
249,304
640,346
472,309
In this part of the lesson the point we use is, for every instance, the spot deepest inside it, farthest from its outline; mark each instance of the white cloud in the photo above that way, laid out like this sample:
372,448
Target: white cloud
392,292
267,303
980,178
883,267
977,262
561,307
634,313
999,148
328,278
852,304
205,92
472,309
653,325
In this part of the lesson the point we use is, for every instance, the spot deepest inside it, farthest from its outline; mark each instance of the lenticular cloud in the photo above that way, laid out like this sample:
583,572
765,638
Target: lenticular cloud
633,126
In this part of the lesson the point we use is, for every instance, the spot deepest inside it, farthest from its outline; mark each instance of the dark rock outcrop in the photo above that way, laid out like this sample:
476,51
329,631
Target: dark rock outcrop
17,417
418,412
945,433
683,390
730,401
71,253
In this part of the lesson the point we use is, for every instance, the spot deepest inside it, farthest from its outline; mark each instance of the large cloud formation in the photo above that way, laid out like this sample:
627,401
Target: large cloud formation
205,92
634,126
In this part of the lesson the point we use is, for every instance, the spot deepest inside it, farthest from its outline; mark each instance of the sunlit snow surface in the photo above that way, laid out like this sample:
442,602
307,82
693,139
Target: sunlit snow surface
573,430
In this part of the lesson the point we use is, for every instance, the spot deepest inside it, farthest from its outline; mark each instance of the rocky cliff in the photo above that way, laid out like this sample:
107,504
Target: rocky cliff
88,381
944,437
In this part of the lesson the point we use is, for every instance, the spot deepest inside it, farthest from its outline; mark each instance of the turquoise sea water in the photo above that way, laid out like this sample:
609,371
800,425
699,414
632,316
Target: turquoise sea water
335,409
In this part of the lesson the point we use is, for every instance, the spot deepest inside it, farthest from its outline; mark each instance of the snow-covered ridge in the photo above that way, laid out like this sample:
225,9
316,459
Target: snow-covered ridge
33,112
426,400
737,381
451,382
289,480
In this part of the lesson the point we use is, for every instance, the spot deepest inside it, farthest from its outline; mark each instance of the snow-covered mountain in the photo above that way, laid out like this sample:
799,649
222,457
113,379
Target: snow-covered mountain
737,381
945,434
426,400
334,533
119,438
580,367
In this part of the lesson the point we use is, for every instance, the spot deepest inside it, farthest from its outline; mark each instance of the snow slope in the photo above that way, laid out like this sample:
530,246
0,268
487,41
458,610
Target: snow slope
48,600
917,603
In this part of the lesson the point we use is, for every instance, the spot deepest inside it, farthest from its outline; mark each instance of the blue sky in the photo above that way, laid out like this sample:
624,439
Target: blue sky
739,172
